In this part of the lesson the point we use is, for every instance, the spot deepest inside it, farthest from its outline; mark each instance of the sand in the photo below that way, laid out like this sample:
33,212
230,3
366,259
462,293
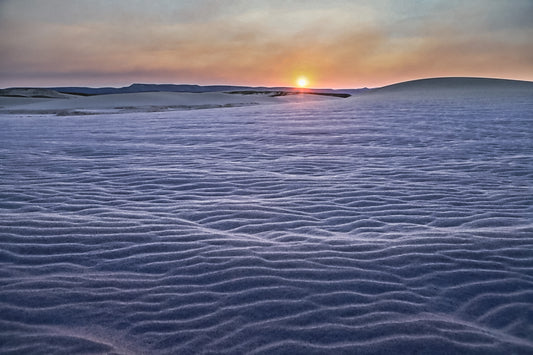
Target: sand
366,225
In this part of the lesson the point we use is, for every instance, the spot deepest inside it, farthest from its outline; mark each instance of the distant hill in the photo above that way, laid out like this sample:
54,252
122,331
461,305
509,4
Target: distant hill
449,83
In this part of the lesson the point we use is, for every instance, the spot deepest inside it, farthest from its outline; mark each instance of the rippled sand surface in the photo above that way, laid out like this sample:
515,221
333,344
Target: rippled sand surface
370,225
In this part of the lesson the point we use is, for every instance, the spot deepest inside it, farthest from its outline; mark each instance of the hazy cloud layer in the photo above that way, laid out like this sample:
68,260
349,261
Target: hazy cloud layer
335,43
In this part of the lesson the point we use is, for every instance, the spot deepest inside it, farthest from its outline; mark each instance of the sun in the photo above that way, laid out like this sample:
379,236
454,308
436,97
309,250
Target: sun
302,81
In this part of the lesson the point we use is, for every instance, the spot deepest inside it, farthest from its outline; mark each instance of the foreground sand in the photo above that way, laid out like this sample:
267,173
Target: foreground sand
359,226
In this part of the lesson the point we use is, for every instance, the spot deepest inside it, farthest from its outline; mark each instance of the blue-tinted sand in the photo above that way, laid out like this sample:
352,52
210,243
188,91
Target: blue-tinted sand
377,224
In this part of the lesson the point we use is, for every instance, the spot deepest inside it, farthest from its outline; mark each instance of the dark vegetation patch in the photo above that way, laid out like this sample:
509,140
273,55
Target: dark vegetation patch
253,92
285,93
330,94
78,93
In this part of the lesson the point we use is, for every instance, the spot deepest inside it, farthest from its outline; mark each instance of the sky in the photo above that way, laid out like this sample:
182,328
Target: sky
333,43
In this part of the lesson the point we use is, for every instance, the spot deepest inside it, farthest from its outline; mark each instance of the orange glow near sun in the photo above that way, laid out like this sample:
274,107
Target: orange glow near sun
302,81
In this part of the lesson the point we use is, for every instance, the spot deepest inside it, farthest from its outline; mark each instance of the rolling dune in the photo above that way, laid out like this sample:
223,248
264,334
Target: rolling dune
361,225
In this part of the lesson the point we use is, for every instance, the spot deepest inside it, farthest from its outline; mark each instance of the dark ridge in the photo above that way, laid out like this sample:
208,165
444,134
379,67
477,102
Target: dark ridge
32,92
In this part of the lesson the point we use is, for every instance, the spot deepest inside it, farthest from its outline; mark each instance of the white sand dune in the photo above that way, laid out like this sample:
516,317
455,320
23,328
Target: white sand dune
144,101
356,226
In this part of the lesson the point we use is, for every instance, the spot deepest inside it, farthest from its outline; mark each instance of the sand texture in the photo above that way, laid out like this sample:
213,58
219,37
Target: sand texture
364,225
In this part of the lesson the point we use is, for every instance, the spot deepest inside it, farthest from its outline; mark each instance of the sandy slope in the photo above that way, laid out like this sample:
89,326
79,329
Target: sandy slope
457,87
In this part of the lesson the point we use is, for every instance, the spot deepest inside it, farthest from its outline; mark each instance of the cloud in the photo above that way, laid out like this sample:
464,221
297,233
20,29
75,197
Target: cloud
347,44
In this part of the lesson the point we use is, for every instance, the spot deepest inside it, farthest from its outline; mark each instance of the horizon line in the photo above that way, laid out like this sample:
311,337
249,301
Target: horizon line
264,86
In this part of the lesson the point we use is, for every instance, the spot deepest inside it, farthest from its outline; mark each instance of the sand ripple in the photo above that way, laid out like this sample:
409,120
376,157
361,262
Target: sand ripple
361,226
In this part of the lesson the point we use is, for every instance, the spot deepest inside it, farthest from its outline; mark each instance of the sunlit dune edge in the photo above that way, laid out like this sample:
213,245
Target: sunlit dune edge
52,102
